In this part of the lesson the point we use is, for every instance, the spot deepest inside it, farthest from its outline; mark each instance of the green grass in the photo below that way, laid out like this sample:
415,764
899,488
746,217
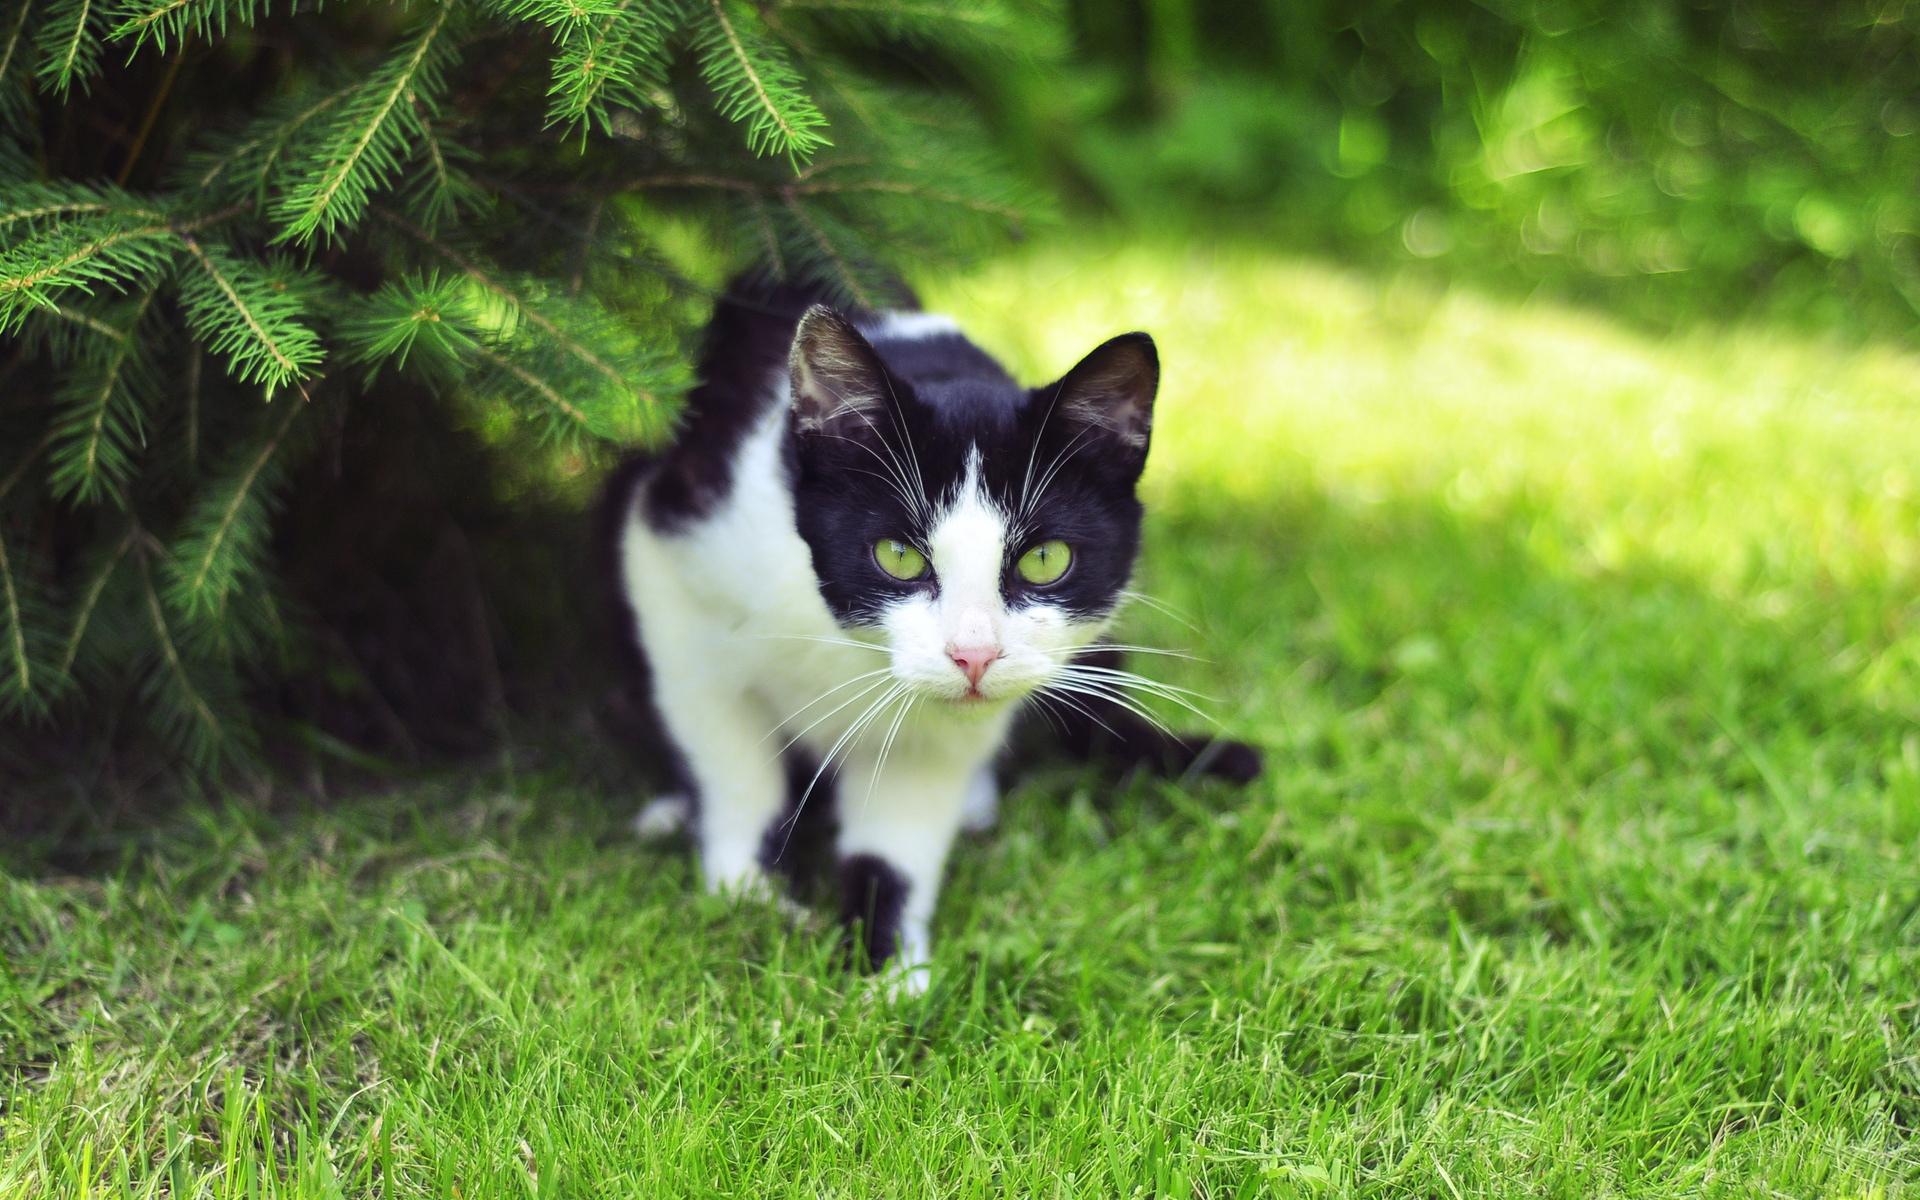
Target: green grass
1585,865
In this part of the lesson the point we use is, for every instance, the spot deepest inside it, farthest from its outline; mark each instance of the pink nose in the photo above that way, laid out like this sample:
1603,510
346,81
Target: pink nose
974,660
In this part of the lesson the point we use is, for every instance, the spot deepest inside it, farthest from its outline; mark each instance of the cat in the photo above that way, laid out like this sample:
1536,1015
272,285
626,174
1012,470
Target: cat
865,552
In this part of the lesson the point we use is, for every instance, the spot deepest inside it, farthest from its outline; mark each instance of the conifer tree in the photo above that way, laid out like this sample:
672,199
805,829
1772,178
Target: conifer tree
287,206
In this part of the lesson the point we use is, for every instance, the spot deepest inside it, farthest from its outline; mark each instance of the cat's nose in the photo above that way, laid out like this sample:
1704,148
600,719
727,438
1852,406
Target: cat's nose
974,660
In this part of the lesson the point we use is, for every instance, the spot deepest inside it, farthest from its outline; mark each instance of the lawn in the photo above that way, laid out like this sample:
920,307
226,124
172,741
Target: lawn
1587,663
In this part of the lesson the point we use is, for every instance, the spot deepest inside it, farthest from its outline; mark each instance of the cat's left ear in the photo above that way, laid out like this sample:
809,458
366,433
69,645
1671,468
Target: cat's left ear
839,384
1112,389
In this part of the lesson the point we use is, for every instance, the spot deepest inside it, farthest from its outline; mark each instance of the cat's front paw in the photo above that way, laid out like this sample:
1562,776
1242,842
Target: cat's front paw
980,809
898,981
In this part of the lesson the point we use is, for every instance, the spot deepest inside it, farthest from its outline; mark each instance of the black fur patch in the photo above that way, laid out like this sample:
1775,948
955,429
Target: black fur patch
799,844
872,895
741,361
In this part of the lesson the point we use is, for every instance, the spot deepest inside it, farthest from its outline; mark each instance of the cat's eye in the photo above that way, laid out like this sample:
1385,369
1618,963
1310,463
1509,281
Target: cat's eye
1045,562
899,560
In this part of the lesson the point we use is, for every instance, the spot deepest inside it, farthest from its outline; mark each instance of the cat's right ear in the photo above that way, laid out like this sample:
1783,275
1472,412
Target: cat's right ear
839,384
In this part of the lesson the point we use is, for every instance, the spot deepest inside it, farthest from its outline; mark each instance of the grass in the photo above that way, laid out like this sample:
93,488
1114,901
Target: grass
1585,864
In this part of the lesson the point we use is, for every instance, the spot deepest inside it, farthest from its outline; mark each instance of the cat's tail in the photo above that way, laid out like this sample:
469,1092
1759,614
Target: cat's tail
1107,733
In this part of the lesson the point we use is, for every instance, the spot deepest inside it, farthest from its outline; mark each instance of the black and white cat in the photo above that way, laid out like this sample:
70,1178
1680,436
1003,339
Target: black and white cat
866,551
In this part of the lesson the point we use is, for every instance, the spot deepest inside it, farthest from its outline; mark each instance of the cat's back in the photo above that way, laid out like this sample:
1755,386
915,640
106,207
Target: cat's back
742,368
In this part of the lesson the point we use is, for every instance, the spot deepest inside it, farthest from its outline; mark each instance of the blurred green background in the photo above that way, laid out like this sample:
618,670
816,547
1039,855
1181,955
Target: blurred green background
1666,158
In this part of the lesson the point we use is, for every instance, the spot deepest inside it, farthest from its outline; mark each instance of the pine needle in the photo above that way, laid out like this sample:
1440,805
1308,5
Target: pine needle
756,84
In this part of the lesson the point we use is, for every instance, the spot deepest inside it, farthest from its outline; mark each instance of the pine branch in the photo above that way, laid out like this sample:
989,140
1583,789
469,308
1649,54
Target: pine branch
16,110
615,57
18,690
787,191
520,305
90,598
565,17
547,392
152,113
223,534
102,405
203,736
769,236
89,322
436,160
841,271
26,460
947,25
244,165
78,253
364,148
26,208
439,190
251,316
69,43
28,680
171,22
755,83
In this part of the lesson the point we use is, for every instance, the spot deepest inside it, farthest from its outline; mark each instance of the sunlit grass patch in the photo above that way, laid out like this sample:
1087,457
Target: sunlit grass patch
1587,861
1750,456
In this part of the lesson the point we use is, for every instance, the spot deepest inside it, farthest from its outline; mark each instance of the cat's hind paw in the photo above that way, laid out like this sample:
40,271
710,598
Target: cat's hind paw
663,816
1235,762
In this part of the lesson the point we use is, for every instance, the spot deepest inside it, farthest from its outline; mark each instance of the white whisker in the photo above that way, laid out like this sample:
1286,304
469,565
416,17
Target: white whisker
825,641
886,748
1065,697
828,716
895,475
1053,469
1043,704
1112,690
826,762
1026,484
1118,700
1127,680
913,455
1129,648
1161,607
1140,681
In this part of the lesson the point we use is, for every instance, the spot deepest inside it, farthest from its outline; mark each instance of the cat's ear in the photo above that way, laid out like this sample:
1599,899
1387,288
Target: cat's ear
1112,389
838,381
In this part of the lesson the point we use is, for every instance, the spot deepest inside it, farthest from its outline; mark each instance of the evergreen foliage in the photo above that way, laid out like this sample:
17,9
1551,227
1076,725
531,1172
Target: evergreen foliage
226,225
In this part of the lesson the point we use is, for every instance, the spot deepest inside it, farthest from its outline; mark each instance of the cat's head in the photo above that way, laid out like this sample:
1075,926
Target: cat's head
987,530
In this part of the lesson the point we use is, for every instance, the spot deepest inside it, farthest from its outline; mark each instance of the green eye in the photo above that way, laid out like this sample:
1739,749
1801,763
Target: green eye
899,559
1045,562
